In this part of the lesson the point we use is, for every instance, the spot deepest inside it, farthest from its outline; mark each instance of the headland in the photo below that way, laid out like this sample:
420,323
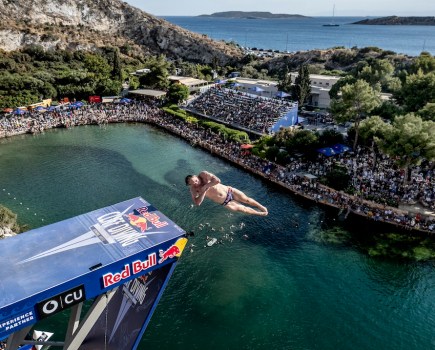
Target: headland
401,21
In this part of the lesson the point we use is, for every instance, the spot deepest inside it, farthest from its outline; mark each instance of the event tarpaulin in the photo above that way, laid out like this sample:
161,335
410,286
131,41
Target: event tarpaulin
289,119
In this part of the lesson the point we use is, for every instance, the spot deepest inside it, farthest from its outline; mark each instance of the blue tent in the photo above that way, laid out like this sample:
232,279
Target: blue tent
339,148
327,151
40,108
77,104
19,111
281,94
220,81
124,100
51,108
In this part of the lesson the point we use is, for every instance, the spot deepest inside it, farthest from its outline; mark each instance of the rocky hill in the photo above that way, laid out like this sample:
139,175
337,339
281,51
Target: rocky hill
395,20
89,24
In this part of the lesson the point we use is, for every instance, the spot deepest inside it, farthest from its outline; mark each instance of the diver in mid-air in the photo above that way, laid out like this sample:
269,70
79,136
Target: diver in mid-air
206,184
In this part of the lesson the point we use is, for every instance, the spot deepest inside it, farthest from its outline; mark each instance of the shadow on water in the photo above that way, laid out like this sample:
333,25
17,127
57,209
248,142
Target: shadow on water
372,240
108,178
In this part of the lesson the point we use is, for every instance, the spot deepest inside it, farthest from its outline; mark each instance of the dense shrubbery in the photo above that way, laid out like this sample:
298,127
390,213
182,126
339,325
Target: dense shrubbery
29,75
227,133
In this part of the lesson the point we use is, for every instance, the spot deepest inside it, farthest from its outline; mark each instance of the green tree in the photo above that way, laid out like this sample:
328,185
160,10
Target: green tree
282,136
304,141
116,67
387,110
425,62
408,140
107,87
335,89
377,71
158,76
355,102
302,86
177,93
285,81
96,64
329,137
371,128
417,90
427,112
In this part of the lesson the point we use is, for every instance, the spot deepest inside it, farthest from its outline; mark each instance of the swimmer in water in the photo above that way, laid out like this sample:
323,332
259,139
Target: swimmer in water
208,185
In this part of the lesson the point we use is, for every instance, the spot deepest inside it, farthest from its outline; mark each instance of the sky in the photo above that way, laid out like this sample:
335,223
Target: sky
308,8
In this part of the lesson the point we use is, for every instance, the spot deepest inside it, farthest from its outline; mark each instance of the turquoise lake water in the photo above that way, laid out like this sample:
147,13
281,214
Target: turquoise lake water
299,280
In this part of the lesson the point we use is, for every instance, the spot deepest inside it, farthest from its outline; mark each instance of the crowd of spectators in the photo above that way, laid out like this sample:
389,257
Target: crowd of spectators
383,179
240,109
377,178
35,122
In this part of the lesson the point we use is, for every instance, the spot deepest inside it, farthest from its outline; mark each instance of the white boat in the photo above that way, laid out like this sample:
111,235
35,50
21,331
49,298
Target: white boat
332,24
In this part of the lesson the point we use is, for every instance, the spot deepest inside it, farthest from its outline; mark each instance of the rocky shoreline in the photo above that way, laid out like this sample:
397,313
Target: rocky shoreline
6,232
8,223
396,20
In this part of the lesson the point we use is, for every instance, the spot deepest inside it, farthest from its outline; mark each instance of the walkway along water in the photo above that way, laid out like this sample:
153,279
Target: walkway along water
345,204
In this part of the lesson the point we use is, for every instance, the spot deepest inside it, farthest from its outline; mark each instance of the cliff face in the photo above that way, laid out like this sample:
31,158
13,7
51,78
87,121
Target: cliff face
88,24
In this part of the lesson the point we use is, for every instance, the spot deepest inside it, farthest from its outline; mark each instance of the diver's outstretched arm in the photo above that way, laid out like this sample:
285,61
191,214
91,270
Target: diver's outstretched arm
209,180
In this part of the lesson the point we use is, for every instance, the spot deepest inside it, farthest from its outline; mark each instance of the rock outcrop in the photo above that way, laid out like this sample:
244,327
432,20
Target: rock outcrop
6,232
395,20
8,223
89,24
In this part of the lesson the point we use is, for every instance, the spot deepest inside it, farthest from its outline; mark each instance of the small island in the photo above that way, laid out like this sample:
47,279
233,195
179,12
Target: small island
396,20
251,15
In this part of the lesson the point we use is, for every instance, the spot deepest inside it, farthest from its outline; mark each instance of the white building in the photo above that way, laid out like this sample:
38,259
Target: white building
192,83
320,86
265,88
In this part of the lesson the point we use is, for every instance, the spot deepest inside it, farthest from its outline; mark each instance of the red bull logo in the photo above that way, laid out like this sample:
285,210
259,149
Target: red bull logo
138,221
169,253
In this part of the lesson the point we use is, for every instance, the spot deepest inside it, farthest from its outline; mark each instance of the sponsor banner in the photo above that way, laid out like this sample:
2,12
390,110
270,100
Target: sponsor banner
61,302
10,325
138,266
127,314
51,268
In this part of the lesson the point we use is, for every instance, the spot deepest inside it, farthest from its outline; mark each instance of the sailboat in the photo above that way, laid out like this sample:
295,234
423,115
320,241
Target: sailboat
332,24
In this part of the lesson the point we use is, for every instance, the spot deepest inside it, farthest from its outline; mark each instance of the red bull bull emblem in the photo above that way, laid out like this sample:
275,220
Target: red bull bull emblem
138,221
169,253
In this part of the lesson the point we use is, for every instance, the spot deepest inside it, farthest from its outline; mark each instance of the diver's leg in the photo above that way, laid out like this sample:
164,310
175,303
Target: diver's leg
235,206
243,198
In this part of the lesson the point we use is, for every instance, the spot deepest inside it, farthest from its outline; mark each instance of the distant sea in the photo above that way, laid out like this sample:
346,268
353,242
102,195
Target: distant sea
309,33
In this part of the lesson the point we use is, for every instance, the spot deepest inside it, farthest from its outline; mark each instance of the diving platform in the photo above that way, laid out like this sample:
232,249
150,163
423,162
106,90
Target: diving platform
119,258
